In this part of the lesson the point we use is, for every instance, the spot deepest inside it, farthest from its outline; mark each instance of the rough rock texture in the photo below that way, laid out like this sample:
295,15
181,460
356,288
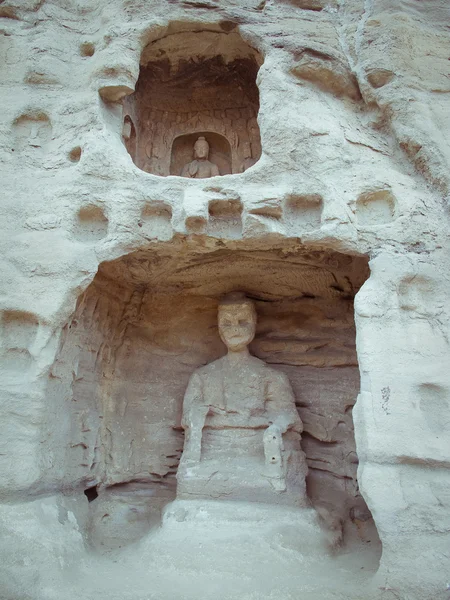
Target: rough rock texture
111,273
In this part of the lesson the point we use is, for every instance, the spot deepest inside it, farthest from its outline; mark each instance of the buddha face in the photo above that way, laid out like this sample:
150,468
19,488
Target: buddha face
237,324
201,148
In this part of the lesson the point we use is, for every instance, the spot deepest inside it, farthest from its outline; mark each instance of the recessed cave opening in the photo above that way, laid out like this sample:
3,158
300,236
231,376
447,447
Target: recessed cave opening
219,153
91,493
191,84
149,319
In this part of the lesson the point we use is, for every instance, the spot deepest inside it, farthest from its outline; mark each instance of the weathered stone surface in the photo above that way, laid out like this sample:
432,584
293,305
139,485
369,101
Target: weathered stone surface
336,117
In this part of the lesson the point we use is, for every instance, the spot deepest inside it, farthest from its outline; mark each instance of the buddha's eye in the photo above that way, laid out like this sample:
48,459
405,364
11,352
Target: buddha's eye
242,322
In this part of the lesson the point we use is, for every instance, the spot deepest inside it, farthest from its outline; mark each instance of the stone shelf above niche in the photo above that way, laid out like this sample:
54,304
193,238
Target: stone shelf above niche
194,85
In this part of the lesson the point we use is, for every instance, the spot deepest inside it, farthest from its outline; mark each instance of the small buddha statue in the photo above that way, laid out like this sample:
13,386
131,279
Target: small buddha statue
200,167
247,156
242,428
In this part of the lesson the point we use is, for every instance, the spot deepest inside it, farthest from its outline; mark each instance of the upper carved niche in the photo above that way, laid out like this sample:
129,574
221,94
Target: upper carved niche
194,111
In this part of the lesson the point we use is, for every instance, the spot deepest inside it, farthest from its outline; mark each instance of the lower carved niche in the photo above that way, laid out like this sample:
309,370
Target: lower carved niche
148,322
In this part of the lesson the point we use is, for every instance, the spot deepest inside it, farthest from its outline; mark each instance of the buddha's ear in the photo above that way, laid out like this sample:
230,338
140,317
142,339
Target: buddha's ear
193,168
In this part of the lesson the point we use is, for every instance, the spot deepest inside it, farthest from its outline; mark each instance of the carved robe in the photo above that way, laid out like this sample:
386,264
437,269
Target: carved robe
227,409
200,169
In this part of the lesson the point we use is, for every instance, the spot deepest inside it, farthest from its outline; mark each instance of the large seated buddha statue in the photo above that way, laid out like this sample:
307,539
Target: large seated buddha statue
242,428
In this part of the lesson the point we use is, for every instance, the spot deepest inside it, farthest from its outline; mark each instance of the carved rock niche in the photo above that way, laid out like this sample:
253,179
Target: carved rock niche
191,85
149,320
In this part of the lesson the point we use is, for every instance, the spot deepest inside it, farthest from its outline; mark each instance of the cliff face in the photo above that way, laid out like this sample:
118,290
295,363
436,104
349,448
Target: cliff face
329,124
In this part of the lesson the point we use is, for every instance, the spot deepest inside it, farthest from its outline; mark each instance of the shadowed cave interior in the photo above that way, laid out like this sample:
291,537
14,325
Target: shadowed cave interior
148,320
191,84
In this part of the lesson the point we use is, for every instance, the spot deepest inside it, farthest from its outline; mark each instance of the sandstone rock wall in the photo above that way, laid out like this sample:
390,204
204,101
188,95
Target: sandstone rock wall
353,118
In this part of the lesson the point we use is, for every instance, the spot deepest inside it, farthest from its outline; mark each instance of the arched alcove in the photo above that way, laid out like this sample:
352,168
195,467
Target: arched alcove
192,82
149,319
129,136
219,151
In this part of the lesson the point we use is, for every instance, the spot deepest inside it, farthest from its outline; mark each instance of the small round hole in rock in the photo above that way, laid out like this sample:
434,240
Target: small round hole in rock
91,493
90,224
75,154
87,49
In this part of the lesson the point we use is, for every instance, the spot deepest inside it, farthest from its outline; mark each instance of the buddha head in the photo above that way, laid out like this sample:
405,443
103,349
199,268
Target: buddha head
201,148
237,321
